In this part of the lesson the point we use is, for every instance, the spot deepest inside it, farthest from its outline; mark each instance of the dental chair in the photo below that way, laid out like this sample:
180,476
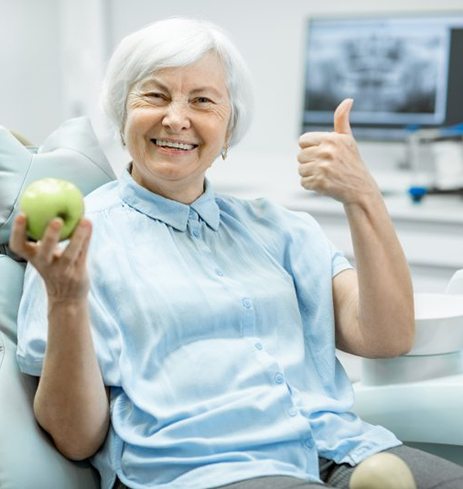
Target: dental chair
28,459
419,396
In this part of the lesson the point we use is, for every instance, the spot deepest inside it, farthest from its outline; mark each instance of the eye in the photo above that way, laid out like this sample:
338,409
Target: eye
156,97
203,101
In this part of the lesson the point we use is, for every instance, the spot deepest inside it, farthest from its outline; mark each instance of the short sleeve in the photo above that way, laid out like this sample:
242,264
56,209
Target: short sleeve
339,262
296,239
33,330
32,324
308,246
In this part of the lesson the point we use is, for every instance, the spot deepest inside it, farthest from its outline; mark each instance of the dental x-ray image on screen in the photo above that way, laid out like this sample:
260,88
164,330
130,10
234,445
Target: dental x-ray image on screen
397,70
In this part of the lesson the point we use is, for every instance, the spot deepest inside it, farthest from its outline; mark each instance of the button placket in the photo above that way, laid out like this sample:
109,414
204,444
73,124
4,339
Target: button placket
248,320
278,378
308,442
194,225
195,229
292,411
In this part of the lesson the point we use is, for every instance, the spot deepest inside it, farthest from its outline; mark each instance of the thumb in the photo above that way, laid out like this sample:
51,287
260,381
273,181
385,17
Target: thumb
341,117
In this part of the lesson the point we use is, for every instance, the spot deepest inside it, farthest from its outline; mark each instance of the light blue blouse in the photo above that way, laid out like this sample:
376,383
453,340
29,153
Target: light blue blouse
213,325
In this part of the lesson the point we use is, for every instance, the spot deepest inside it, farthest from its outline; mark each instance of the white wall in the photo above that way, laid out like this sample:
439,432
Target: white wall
270,35
84,33
53,51
30,80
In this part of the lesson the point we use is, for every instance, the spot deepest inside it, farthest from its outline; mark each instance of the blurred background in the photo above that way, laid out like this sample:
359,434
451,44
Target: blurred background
54,53
397,58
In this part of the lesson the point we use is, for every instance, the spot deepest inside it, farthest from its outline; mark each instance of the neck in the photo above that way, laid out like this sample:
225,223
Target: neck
183,192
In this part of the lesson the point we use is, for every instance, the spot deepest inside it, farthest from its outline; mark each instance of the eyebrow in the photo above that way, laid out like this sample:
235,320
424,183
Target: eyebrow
207,88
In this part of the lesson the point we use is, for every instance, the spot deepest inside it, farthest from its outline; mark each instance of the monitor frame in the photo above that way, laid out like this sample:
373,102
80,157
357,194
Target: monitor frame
444,105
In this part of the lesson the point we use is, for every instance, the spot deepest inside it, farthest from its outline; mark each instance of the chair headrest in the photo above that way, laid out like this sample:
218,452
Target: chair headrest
72,152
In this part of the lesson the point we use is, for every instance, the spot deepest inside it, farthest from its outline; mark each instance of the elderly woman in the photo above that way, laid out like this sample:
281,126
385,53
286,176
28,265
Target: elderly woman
191,342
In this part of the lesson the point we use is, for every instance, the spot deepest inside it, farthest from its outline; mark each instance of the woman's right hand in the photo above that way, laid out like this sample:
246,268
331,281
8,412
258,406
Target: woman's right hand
64,271
71,402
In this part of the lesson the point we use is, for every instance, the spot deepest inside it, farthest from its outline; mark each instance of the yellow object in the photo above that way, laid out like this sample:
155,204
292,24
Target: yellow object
23,140
382,471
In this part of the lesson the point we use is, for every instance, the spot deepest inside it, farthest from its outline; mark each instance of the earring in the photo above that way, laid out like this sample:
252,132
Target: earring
224,152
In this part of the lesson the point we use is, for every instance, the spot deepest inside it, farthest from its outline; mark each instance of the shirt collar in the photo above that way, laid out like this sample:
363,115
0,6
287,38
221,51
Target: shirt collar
171,212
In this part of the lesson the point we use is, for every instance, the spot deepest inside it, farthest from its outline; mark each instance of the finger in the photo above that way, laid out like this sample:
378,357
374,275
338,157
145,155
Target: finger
48,243
308,154
307,169
18,242
312,139
84,251
18,234
341,117
309,182
79,241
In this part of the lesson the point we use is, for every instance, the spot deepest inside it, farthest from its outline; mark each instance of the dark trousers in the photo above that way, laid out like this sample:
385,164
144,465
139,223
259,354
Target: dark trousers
430,472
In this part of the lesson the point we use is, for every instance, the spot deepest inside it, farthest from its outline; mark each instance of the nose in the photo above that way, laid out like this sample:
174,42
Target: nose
176,117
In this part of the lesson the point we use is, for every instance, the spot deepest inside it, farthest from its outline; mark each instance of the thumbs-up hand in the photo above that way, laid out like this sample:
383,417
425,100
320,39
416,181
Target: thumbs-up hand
330,162
341,117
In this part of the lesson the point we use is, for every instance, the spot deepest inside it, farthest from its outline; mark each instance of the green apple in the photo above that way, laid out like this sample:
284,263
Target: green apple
48,198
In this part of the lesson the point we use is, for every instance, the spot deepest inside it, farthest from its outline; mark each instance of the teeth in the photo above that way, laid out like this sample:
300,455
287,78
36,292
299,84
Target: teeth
171,144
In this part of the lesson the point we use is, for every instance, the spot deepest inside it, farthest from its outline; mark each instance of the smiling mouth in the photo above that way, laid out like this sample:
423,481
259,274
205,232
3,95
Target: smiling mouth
162,143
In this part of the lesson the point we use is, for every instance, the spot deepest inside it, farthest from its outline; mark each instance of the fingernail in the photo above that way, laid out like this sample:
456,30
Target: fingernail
57,222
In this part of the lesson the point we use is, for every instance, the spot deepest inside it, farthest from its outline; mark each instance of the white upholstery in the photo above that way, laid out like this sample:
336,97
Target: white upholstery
28,458
419,396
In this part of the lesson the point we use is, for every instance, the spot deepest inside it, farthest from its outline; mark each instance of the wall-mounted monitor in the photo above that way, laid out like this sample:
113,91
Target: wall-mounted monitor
403,71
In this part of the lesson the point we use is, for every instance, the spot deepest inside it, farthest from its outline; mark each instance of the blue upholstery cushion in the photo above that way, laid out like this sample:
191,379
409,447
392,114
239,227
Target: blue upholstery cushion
11,285
28,459
72,152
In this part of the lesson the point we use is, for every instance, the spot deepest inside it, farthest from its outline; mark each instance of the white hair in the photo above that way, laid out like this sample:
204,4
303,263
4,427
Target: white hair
171,43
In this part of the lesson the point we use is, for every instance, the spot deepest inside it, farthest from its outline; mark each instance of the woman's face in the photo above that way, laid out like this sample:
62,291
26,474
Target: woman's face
176,125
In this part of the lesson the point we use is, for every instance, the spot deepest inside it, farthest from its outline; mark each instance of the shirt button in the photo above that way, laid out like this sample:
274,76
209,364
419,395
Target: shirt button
278,378
292,411
259,346
219,273
308,443
196,233
246,303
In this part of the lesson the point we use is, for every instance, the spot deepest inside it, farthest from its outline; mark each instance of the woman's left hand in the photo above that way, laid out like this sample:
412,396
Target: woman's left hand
374,318
330,162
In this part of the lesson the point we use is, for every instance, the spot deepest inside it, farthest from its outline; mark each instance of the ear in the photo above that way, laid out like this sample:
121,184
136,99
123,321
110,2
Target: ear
228,137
